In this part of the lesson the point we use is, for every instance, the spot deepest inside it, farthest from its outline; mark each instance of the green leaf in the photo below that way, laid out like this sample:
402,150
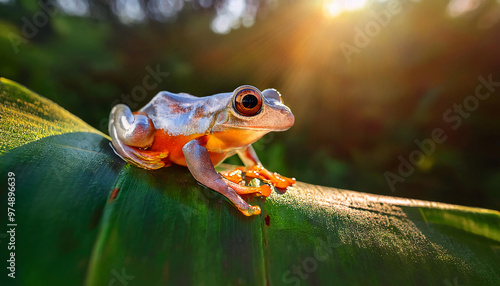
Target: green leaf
26,117
84,217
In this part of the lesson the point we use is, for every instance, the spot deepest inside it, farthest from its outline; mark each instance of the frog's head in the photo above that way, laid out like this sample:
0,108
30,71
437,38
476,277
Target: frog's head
261,112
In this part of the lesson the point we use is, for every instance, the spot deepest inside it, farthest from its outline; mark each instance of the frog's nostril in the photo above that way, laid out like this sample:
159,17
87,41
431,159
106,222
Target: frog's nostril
284,112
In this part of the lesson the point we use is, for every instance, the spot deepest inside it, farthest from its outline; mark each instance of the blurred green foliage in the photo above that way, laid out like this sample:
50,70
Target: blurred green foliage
355,114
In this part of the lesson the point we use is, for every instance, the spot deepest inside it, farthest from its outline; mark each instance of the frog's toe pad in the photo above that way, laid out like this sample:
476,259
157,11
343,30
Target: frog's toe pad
253,210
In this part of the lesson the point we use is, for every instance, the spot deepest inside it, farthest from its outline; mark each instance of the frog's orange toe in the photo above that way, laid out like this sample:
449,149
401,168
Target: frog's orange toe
282,182
263,190
235,176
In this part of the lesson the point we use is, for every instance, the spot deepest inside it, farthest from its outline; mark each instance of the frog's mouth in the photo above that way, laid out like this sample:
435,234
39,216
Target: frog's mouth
249,128
258,128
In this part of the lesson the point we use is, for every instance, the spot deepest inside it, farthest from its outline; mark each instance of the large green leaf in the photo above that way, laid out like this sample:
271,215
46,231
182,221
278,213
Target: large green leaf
84,217
26,117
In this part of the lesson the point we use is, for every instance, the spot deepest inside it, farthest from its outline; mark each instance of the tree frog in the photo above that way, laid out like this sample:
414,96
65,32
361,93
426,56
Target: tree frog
200,132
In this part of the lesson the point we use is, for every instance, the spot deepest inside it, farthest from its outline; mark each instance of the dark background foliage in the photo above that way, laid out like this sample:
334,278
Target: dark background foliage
357,114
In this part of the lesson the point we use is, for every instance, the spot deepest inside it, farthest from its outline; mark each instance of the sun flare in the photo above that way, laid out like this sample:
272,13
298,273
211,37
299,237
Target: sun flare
333,8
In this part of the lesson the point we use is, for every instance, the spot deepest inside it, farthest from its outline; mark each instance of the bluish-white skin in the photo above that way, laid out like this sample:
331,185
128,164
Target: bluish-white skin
184,114
204,115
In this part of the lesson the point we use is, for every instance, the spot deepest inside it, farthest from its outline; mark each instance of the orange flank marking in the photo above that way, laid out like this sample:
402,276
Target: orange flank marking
281,182
171,147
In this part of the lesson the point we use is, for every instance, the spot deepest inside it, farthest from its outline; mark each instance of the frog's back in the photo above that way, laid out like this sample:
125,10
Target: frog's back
184,114
180,118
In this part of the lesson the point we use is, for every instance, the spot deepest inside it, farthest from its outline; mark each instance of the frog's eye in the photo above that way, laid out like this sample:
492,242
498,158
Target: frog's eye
247,101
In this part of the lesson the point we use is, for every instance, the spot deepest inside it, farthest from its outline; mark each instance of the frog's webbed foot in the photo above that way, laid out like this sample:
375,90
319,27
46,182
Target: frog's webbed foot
235,178
280,182
257,171
129,132
254,169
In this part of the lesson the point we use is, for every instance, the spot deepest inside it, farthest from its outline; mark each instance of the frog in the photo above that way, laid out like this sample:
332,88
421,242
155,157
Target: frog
200,133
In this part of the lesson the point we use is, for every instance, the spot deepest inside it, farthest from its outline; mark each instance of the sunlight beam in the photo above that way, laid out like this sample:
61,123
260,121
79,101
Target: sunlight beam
333,8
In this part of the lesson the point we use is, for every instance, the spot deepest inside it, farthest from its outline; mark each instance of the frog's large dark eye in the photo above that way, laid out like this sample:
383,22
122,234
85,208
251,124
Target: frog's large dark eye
247,101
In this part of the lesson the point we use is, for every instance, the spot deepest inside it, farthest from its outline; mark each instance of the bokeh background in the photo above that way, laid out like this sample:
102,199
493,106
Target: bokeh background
365,79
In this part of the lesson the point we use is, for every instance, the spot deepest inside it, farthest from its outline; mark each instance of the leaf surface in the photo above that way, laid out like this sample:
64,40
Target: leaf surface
26,117
84,217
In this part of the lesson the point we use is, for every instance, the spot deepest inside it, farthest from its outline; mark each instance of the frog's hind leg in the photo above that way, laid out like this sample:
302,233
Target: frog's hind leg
129,132
199,163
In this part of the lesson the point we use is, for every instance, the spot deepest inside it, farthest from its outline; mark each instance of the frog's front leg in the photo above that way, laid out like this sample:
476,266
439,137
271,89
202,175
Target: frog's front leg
254,169
129,132
201,167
